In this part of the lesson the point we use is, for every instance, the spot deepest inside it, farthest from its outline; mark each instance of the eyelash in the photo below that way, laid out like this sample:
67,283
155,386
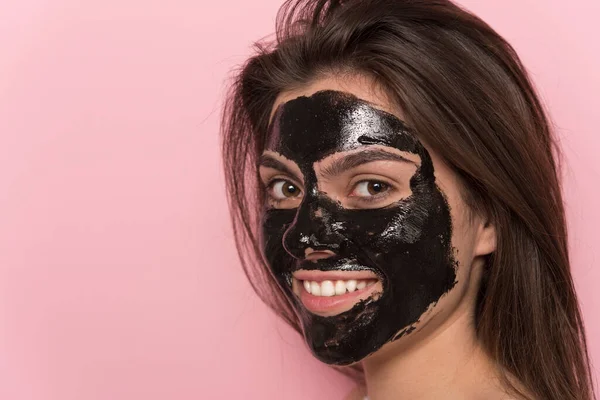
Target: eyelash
364,199
376,197
270,185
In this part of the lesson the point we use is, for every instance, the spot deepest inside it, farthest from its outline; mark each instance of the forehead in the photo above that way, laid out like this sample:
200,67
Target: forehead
311,127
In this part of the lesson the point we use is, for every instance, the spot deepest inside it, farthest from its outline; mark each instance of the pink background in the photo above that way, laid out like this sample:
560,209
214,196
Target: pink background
118,275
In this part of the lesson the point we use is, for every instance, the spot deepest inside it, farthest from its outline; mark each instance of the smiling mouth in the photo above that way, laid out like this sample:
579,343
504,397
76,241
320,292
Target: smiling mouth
329,293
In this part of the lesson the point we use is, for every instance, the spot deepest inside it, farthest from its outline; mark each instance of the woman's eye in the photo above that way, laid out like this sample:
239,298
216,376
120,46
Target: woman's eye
370,188
282,189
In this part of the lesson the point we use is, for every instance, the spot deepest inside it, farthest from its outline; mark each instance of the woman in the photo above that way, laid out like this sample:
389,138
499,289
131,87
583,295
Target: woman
394,188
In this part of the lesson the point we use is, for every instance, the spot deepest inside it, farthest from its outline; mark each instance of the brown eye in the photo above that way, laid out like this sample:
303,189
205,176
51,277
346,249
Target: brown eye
282,189
370,188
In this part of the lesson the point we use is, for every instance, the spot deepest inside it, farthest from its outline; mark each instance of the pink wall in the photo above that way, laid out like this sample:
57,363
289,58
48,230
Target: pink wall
118,276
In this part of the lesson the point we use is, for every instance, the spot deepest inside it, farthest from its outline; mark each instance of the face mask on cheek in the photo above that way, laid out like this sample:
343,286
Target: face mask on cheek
407,244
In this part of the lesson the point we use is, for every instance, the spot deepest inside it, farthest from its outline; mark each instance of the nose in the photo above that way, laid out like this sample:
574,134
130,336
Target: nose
311,235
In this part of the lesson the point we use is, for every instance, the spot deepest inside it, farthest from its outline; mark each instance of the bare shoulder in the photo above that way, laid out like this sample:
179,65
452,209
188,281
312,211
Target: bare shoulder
358,393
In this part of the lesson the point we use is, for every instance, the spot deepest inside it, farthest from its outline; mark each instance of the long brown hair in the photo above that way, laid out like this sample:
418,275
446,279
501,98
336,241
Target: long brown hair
464,90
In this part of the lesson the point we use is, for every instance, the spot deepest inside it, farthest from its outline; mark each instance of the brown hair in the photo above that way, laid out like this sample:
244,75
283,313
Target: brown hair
464,90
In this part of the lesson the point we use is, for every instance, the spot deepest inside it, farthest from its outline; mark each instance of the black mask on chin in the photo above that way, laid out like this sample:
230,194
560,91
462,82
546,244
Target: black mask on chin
407,244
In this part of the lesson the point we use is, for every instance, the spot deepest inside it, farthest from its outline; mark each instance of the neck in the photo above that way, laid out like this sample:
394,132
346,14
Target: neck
446,363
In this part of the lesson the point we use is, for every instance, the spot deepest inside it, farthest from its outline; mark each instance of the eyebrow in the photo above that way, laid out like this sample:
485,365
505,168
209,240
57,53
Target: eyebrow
354,160
268,161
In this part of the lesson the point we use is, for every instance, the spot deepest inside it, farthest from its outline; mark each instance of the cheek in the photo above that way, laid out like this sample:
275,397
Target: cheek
463,221
273,226
464,234
408,222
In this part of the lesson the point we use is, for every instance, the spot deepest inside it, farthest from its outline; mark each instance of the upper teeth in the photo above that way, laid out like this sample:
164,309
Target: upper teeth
332,288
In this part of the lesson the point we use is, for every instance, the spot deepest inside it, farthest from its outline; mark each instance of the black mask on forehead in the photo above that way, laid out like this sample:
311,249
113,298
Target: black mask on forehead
407,244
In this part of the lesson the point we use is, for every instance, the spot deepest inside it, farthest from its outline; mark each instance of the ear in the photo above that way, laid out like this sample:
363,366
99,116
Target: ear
486,238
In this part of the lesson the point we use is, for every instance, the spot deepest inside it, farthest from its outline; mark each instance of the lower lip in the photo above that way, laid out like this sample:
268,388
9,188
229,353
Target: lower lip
333,305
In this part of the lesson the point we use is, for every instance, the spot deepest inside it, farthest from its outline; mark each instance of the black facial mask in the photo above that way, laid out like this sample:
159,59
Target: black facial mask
407,244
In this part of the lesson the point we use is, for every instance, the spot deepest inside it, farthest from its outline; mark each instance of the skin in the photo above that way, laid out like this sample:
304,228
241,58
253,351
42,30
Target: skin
369,200
441,357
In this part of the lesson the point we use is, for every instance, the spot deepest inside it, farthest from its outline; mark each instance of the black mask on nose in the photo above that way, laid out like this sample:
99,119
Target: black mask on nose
407,244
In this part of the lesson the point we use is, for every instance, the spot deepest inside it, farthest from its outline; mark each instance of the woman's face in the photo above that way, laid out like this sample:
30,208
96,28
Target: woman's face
364,227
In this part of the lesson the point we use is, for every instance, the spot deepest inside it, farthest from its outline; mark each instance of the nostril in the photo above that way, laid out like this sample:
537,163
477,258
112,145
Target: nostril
313,255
